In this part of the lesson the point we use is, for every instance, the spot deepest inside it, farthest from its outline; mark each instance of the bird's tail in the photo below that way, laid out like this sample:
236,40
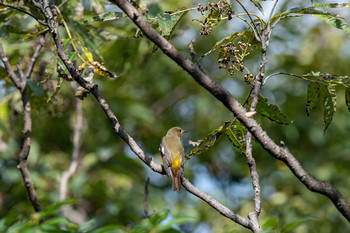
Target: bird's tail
176,174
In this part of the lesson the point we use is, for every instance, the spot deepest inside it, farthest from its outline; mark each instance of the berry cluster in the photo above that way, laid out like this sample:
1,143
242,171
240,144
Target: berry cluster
231,57
216,12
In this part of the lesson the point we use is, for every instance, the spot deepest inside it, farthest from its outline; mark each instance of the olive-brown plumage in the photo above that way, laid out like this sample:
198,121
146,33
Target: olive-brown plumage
173,155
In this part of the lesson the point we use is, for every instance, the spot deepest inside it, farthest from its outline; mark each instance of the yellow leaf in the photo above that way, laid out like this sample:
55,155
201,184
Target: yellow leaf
101,70
87,54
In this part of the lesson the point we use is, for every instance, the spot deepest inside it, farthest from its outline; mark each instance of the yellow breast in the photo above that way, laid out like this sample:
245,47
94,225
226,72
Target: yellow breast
176,159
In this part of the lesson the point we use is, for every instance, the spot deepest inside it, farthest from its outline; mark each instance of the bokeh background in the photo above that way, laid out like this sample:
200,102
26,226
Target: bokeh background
153,94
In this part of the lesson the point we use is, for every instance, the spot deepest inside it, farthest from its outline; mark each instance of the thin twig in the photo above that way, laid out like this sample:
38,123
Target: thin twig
270,17
194,55
35,55
9,69
233,105
145,200
255,29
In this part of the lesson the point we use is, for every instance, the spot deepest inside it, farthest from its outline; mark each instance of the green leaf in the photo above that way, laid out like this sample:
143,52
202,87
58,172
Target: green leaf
52,209
108,16
53,224
36,88
335,22
236,134
159,216
107,229
66,42
210,140
83,31
329,17
270,111
270,223
300,11
176,221
331,5
168,20
325,78
141,4
292,225
30,35
258,5
165,23
313,96
11,218
88,225
329,105
153,10
176,17
72,56
347,97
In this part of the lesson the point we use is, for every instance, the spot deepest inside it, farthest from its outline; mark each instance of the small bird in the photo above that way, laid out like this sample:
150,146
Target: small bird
173,155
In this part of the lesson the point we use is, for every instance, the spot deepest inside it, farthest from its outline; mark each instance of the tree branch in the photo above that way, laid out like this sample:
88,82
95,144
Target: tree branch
9,69
78,125
93,88
145,200
233,105
23,155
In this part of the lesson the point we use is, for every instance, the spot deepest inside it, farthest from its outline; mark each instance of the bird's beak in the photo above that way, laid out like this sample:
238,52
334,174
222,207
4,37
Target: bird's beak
185,131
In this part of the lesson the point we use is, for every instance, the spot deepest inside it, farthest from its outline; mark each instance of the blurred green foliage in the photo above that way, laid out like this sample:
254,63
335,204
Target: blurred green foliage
153,94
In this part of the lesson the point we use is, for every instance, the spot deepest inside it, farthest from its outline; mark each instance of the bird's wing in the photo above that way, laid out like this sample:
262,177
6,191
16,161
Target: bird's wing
183,159
166,157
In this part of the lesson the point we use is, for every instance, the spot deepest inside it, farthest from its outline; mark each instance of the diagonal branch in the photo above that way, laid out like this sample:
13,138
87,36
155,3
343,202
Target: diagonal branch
21,85
234,106
93,88
9,69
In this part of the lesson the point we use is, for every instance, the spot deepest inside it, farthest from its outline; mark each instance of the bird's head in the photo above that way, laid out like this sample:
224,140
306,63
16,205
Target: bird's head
176,132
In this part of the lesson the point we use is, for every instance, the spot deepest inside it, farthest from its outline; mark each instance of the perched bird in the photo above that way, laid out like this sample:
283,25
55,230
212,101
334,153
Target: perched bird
173,155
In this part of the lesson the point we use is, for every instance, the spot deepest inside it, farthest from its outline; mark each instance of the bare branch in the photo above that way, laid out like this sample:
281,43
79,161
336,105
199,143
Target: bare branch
271,13
35,56
223,210
93,88
76,150
23,155
233,105
21,74
9,69
255,29
194,55
145,200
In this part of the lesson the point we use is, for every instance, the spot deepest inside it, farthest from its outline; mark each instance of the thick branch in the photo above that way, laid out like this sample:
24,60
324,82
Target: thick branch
233,105
23,155
93,88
